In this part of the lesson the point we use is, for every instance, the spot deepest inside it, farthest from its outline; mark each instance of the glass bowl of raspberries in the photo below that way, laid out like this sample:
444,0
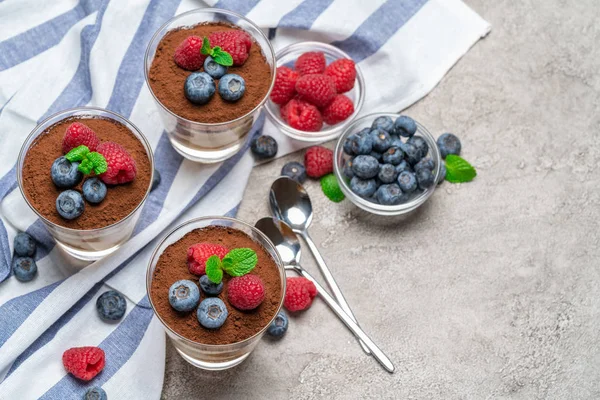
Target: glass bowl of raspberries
387,164
318,91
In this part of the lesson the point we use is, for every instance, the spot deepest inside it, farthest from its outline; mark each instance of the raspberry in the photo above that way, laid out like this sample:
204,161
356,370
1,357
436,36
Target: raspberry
121,166
235,42
245,292
340,108
78,134
299,294
302,115
187,54
343,73
318,161
84,362
285,85
312,62
198,253
318,89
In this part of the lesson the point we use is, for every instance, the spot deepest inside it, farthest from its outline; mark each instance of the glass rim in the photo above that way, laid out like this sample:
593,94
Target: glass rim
216,11
149,277
38,130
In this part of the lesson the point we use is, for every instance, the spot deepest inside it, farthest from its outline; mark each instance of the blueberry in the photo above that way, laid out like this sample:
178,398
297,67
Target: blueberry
420,144
24,268
24,245
264,147
348,144
111,305
407,181
442,173
348,173
365,167
212,313
384,123
209,287
390,195
155,180
378,156
232,87
363,187
294,170
279,325
387,173
184,295
448,144
94,190
95,393
412,153
405,126
381,140
403,166
425,163
199,87
215,70
424,178
69,204
396,141
64,173
362,144
393,156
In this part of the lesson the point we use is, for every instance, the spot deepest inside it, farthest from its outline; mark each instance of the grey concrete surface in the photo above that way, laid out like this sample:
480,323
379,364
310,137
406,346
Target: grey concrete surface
491,290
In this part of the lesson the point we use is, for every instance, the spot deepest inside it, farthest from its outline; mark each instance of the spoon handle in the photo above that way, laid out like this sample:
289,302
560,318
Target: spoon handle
335,289
352,326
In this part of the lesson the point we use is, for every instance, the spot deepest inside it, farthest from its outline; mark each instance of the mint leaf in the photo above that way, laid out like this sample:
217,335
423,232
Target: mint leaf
239,262
206,47
77,153
213,269
85,166
98,161
458,170
222,57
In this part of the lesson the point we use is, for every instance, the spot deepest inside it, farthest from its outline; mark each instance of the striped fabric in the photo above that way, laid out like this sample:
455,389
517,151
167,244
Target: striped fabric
61,54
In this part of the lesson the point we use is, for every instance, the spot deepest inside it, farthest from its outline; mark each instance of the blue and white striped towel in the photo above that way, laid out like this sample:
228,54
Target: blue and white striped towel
62,54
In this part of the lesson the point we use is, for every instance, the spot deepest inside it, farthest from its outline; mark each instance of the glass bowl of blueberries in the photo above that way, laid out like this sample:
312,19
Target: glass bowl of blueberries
387,164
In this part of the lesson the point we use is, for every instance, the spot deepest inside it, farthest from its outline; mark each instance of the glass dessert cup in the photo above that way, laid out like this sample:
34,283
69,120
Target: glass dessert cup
213,357
208,142
340,158
87,244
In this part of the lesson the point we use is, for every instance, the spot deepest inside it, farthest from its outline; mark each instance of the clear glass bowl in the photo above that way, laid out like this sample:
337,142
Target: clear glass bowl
205,142
287,56
88,244
211,356
340,157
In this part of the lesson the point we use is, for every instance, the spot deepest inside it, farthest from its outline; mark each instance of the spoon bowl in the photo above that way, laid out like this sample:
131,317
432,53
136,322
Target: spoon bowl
291,204
285,240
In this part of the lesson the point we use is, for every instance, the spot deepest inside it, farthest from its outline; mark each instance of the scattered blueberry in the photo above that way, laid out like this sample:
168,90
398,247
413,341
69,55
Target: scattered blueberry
348,173
378,156
64,173
390,195
24,268
199,87
232,87
209,287
111,305
412,153
155,180
405,126
420,144
384,123
294,170
215,70
212,313
425,163
363,187
279,325
407,181
365,167
362,144
94,190
69,204
264,147
403,166
442,173
424,178
387,173
184,295
348,144
393,156
24,245
381,140
95,393
448,143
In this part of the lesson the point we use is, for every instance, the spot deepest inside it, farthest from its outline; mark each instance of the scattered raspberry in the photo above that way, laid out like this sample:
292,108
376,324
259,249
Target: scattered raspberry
312,62
121,166
340,108
343,73
198,253
318,161
78,134
302,115
84,362
235,42
299,294
187,54
318,89
245,292
285,85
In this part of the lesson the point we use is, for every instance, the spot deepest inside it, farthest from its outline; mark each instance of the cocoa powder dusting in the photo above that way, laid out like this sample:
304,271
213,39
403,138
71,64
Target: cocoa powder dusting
239,325
167,79
120,200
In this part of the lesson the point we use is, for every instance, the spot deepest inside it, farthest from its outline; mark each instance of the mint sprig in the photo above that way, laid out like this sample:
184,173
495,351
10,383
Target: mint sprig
458,170
217,53
88,160
237,262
